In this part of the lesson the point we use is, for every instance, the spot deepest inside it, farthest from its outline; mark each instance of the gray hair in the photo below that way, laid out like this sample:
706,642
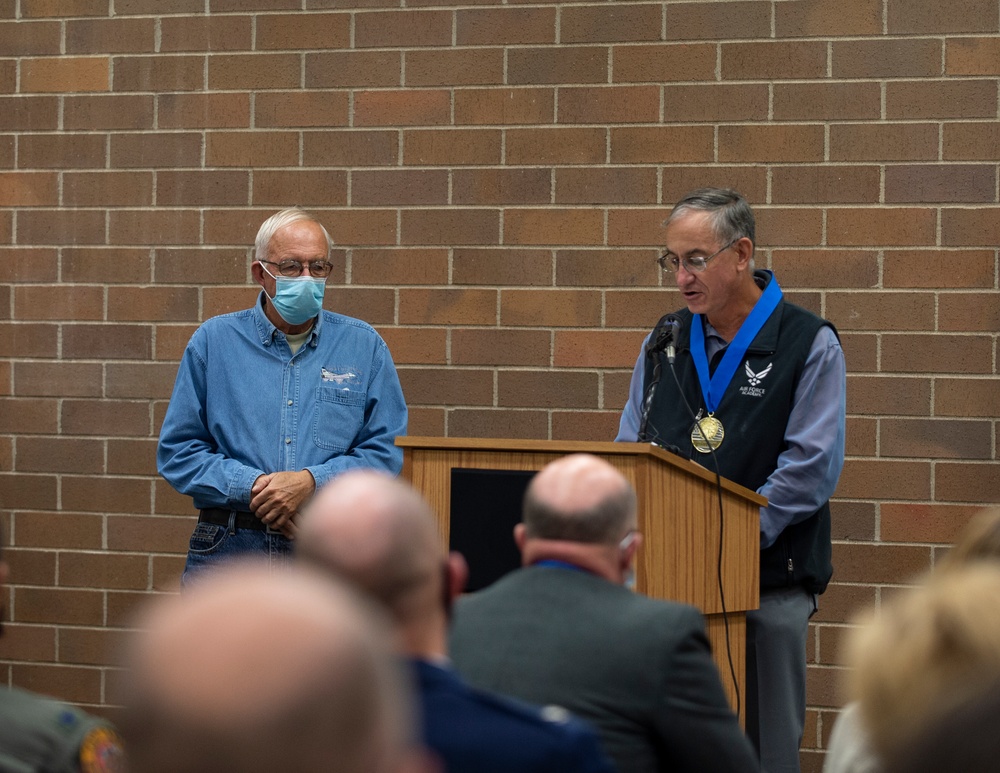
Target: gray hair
604,523
279,220
731,215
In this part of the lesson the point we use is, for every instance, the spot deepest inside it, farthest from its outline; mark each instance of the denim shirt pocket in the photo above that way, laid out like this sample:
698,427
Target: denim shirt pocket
340,415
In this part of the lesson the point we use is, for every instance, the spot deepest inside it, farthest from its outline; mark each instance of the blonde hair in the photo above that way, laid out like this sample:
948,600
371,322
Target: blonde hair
979,541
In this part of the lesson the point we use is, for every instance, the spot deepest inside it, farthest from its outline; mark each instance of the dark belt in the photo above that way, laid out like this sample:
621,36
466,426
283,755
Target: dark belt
220,517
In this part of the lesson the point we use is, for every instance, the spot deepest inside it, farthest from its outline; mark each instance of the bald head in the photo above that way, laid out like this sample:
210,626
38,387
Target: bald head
579,498
259,671
377,532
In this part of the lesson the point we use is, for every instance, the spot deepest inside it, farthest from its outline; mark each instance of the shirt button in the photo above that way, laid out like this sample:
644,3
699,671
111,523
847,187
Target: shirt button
289,402
288,440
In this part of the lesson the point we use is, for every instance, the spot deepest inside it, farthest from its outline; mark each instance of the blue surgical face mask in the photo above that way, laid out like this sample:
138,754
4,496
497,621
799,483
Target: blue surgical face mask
297,299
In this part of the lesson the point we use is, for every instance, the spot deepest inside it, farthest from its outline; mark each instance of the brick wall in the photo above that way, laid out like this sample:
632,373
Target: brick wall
494,175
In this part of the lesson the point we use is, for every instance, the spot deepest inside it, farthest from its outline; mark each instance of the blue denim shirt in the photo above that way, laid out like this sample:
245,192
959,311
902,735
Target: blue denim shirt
243,406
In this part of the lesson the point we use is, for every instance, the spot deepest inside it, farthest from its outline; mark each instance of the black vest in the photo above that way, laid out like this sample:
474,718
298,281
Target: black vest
754,411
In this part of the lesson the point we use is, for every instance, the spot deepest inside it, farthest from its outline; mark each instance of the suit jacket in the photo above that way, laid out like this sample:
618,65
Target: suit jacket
474,732
640,670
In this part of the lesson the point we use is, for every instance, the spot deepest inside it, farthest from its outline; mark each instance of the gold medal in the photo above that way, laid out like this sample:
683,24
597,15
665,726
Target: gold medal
707,434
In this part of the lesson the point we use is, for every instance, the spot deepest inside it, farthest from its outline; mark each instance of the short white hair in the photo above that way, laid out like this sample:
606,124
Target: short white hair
279,220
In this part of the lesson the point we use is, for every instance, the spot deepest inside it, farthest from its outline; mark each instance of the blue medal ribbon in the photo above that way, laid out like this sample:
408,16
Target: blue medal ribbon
712,388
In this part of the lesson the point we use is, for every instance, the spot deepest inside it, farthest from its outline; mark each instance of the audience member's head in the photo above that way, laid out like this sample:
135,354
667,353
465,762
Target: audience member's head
377,532
259,671
978,541
932,648
580,508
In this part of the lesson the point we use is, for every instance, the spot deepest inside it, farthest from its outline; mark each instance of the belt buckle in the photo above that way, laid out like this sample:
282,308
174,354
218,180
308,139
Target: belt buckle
270,531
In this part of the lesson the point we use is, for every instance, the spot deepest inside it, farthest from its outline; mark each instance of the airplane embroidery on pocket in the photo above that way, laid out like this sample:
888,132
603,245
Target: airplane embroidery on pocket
337,378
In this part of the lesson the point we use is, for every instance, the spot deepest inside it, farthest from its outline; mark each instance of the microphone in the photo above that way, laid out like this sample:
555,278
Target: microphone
664,336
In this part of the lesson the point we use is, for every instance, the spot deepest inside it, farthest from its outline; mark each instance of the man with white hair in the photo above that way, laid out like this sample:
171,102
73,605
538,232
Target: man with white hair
274,401
250,672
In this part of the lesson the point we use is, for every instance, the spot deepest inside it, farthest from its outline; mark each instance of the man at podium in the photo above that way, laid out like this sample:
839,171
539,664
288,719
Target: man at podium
759,393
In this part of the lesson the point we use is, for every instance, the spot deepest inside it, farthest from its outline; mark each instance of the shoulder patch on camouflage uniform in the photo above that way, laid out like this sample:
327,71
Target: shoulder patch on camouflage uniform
101,751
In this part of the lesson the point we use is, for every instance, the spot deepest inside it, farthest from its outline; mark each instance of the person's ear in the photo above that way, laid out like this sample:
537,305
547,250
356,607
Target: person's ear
520,536
458,574
744,249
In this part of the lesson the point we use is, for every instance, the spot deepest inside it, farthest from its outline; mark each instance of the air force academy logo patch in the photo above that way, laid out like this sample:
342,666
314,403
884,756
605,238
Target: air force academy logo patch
754,379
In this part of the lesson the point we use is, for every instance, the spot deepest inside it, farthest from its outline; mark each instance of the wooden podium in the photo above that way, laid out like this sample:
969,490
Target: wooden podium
678,516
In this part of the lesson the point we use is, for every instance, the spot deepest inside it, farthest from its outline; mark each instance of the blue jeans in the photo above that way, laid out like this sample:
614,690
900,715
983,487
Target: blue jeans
212,545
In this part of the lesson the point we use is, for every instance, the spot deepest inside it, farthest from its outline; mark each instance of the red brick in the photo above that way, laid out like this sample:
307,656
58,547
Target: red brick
124,605
925,16
607,185
787,227
440,386
556,146
507,107
609,104
922,268
399,266
221,6
967,482
718,20
206,33
402,29
880,57
102,494
155,149
59,605
935,438
972,56
501,186
636,227
861,350
714,102
290,31
417,345
585,425
90,646
140,380
862,439
148,7
546,389
375,305
402,108
252,149
57,379
362,227
19,415
28,189
936,353
312,108
936,100
304,187
505,26
619,22
970,227
451,226
105,265
770,143
118,342
61,151
203,111
104,570
153,227
31,9
878,395
662,144
350,148
27,38
500,347
104,417
760,60
449,147
107,189
826,268
59,302
111,36
171,341
28,491
67,455
29,114
884,142
751,181
493,267
638,310
153,303
498,423
968,312
827,101
31,340
905,522
825,185
606,268
32,643
159,73
202,188
817,18
578,64
131,457
553,226
868,479
28,265
358,69
155,534
73,684
32,567
966,397
399,187
254,71
966,183
452,307
550,308
65,74
456,67
594,349
879,311
897,226
667,62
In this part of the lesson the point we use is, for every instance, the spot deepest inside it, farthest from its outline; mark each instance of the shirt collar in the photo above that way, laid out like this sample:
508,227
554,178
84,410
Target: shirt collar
266,329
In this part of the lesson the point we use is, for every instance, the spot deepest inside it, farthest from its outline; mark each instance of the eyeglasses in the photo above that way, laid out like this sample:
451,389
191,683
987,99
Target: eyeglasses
320,269
692,263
